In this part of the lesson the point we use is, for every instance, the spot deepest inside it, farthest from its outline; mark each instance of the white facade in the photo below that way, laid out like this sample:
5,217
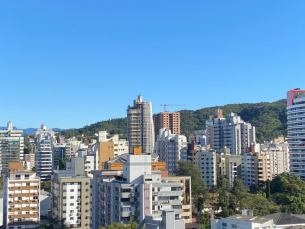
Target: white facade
11,147
232,133
134,192
170,148
43,152
296,131
21,202
140,126
205,161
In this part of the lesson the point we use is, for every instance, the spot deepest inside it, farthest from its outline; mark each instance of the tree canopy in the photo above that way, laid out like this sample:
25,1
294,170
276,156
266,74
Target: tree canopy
199,190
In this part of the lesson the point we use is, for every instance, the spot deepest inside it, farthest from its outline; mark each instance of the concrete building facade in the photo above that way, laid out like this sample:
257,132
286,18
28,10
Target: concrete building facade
229,165
134,192
232,133
11,147
256,168
140,126
43,152
166,221
171,148
199,137
70,200
21,205
110,148
167,120
296,131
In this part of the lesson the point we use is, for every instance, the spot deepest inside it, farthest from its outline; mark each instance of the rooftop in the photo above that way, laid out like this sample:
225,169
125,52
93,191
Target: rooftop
249,218
284,219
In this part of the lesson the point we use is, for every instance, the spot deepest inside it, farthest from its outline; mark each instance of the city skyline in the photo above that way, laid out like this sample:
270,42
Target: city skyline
69,65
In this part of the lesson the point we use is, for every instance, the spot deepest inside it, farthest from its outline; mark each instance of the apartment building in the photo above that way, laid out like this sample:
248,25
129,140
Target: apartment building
296,134
140,126
110,147
29,160
232,133
80,166
205,160
209,126
213,165
199,137
11,147
58,154
279,146
229,165
186,197
171,148
21,192
255,168
166,221
167,120
134,192
43,152
70,199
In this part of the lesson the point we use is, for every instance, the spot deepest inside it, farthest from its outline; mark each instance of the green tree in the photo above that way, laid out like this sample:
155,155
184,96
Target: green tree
199,190
46,185
268,191
205,220
239,193
223,190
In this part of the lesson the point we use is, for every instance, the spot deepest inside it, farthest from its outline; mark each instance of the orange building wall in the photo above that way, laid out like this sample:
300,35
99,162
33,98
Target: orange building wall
106,152
160,165
136,150
15,166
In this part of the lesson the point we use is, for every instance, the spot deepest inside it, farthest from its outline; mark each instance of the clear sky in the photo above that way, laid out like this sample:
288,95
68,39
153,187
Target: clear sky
71,63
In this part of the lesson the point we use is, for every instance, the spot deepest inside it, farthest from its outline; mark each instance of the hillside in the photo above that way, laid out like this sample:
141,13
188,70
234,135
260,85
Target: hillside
270,120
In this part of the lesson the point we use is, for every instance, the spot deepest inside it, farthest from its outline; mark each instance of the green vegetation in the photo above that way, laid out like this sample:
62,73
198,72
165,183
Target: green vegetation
46,185
131,225
52,224
199,190
233,199
270,120
288,191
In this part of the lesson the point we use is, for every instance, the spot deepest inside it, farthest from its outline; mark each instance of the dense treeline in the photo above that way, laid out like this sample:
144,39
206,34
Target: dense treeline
285,193
270,120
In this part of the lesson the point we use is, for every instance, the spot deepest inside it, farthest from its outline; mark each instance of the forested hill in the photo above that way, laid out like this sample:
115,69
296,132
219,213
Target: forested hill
270,120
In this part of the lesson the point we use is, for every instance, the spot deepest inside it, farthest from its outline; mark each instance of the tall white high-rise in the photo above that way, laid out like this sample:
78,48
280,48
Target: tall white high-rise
232,133
171,148
140,126
11,147
43,152
296,130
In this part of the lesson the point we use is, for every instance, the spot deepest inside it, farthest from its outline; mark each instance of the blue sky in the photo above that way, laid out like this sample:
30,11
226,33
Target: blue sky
71,63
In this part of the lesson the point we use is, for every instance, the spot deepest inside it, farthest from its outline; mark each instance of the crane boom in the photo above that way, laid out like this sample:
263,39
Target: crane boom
171,105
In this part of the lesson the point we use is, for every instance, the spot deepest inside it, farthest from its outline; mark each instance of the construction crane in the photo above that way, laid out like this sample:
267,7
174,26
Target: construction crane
171,105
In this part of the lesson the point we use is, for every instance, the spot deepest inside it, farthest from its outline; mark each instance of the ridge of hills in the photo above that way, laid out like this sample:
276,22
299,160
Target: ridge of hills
270,120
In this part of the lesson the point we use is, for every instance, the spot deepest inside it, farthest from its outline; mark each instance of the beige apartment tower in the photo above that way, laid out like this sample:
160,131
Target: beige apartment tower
140,126
71,200
21,205
168,120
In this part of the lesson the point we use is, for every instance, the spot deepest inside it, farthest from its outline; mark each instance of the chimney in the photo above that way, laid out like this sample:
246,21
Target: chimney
212,215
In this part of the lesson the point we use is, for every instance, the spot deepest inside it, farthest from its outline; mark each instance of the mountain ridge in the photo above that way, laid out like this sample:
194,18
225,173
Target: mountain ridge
269,118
